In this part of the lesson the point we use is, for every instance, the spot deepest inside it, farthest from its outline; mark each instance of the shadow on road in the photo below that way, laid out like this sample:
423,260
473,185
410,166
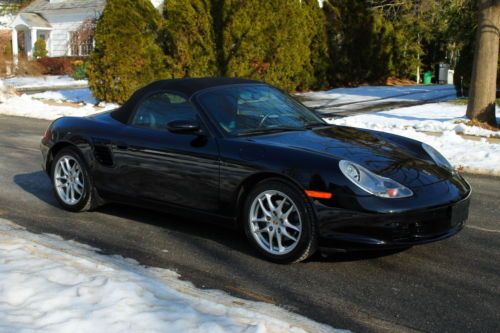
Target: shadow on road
38,184
224,235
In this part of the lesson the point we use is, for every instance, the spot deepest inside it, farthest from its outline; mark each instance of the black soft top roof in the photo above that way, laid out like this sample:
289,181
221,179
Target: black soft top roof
187,86
190,86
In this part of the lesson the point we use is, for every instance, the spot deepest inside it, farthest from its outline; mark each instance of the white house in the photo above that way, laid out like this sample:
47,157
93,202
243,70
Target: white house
56,22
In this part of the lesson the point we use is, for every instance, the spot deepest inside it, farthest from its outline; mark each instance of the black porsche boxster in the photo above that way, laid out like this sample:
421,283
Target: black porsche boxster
246,154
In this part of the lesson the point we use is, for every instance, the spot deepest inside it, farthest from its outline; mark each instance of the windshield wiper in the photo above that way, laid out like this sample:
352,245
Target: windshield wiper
270,130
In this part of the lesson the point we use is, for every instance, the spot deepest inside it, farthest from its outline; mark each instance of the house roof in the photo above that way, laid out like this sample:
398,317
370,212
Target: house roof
34,20
46,5
31,20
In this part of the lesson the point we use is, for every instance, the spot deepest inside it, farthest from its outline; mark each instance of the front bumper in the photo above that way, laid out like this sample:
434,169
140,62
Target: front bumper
353,230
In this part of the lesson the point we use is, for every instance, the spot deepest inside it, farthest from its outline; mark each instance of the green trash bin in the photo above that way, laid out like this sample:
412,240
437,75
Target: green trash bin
428,77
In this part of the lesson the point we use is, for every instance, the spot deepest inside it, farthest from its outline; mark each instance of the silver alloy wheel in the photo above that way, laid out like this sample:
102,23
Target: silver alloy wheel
275,222
68,180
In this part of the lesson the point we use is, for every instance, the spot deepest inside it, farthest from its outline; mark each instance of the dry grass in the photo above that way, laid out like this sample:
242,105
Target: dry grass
29,68
475,122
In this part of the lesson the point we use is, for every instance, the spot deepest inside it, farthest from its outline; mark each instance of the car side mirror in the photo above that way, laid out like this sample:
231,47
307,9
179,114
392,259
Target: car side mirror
184,127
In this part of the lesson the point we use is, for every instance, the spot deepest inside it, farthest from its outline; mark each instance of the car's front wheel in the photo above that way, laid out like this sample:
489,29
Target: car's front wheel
71,181
279,222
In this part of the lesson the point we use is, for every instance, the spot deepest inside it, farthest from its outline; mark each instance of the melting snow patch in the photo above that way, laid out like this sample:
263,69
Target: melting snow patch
51,285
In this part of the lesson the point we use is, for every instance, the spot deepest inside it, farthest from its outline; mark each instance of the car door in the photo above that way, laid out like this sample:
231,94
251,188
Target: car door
162,166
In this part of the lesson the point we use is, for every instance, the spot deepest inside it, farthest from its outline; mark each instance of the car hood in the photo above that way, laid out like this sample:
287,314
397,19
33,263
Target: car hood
388,155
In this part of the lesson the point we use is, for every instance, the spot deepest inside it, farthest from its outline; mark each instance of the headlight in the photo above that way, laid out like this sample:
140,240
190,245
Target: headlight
437,157
373,183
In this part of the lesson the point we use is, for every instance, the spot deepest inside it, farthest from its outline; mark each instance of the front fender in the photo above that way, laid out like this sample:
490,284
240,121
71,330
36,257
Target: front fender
243,164
67,132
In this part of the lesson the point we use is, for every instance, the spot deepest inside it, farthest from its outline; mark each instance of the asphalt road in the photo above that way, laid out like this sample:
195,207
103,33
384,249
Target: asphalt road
449,286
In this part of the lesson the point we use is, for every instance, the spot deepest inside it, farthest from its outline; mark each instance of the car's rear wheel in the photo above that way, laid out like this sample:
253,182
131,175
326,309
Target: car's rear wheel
279,222
71,181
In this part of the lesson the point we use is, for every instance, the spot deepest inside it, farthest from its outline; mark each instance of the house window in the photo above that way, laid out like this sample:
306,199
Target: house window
87,46
80,44
81,41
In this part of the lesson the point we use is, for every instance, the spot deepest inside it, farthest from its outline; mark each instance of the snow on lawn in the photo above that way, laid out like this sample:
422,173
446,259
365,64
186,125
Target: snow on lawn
41,82
434,117
48,284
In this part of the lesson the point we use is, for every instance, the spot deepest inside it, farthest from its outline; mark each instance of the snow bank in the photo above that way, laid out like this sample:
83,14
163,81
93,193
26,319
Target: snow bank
27,106
51,285
49,104
41,82
433,117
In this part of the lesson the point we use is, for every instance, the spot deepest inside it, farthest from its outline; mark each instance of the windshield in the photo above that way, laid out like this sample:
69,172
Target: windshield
245,110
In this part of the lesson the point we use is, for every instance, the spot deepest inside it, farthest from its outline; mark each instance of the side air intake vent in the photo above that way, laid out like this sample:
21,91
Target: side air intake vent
103,155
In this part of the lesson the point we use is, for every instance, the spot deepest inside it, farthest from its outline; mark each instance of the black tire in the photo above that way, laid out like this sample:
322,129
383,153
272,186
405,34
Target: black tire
307,242
89,200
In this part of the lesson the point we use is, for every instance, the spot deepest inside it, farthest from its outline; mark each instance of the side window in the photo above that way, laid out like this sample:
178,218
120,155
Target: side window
159,109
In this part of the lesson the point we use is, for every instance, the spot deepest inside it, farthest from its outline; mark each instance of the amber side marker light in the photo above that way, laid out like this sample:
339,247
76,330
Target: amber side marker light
319,195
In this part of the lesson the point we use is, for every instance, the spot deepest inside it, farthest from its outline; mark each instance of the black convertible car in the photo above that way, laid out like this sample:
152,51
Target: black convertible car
245,154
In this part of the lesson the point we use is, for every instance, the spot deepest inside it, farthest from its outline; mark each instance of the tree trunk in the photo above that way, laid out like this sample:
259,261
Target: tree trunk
482,93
